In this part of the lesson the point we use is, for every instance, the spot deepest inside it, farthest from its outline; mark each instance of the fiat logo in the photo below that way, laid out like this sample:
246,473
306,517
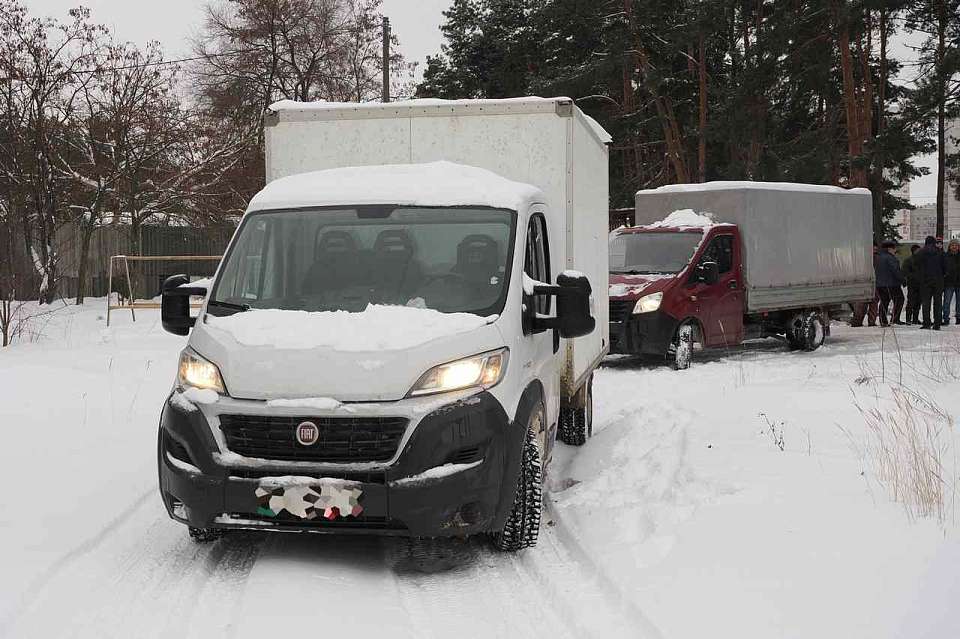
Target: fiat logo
308,434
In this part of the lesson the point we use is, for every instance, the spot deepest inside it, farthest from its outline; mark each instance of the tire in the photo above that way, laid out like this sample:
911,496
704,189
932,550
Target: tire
205,535
683,348
806,331
523,524
576,424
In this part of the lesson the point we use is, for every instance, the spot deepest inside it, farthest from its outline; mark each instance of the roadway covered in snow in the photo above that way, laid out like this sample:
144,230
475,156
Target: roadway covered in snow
740,498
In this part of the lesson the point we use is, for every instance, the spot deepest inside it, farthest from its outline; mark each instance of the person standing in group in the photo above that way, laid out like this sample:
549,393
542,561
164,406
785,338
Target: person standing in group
889,284
951,284
912,278
868,309
932,267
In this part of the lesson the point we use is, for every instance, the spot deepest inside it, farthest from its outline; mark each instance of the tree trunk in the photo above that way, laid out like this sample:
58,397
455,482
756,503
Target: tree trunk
855,135
86,233
941,118
629,61
879,160
702,150
668,122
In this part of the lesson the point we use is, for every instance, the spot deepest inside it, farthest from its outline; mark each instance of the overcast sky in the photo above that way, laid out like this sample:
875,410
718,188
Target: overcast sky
172,22
415,22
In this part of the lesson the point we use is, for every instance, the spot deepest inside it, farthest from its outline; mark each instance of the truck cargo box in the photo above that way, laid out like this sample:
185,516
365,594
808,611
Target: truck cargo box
548,143
803,245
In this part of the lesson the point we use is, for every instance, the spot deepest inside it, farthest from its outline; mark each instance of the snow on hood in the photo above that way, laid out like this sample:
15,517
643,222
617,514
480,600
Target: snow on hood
635,286
432,184
372,356
685,219
379,328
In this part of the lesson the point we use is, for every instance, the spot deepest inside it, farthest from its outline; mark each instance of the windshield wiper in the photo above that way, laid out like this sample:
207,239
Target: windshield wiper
240,308
637,272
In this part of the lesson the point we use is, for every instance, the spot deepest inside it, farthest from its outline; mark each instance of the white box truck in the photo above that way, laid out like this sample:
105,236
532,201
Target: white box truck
718,263
408,317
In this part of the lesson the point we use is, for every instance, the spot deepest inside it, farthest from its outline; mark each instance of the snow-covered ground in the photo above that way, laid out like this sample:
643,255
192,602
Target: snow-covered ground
681,518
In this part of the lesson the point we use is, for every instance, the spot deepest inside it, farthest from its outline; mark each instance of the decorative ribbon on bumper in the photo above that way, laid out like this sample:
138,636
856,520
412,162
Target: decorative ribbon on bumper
309,498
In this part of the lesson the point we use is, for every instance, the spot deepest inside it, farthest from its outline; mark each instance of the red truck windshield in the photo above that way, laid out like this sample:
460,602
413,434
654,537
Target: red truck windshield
652,253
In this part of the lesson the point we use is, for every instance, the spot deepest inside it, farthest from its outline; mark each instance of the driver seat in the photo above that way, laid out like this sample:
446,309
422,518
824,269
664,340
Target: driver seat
478,261
336,264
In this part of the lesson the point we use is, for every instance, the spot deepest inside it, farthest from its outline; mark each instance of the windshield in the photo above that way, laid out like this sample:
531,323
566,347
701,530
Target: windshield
449,260
652,253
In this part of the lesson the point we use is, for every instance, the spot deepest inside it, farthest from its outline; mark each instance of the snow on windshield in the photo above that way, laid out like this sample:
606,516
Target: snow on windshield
379,328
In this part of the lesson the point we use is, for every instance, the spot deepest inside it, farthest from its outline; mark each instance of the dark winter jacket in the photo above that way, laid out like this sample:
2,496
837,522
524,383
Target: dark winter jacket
910,274
931,266
887,268
952,277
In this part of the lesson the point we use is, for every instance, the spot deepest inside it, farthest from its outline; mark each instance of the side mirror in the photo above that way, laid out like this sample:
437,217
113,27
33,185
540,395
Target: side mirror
573,307
708,273
175,305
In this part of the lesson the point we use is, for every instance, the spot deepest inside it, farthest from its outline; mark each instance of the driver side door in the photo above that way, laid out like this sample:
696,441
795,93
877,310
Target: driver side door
722,303
544,346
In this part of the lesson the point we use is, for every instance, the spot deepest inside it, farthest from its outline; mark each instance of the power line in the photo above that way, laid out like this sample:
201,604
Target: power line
158,63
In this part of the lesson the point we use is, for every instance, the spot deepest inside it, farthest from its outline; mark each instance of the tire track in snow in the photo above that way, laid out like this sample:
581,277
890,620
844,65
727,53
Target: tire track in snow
487,595
66,560
565,543
152,581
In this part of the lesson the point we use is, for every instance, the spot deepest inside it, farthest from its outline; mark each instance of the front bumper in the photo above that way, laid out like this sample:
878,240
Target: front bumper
205,486
644,334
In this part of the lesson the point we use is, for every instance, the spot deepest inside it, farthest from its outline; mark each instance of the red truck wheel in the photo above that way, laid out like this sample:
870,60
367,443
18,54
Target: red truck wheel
806,331
683,349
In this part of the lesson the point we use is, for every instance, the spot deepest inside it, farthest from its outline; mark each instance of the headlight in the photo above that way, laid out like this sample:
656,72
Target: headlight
648,304
196,372
480,371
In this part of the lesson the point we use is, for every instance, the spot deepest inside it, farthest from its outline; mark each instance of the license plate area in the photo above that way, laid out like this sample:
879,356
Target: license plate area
310,498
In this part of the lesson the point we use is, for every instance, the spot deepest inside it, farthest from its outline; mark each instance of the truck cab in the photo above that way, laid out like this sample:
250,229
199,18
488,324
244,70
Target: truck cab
381,351
662,277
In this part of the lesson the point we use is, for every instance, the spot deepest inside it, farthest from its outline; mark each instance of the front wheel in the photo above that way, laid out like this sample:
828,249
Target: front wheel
205,535
806,331
683,348
523,525
576,424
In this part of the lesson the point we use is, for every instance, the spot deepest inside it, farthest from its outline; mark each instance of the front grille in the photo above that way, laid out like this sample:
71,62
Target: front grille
342,439
620,309
362,477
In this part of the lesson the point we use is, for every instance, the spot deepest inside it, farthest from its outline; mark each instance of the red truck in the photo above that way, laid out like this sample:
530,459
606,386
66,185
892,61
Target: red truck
731,261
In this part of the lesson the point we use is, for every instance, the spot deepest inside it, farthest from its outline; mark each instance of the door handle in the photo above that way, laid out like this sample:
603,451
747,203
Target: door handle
734,285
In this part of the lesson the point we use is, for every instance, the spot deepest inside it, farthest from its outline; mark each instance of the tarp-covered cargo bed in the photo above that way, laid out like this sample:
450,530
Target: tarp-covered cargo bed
803,245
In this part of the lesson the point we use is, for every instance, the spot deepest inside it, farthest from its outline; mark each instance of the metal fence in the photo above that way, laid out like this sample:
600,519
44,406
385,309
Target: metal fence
147,276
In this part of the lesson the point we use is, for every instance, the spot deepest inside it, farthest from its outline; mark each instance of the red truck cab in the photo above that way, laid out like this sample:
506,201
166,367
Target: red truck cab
665,277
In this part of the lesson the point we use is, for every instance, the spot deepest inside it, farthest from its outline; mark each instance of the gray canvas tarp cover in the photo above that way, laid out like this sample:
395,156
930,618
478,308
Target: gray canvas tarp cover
802,245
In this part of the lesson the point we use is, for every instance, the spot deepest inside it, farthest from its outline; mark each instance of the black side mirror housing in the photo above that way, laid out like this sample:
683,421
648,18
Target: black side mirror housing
573,307
708,273
175,304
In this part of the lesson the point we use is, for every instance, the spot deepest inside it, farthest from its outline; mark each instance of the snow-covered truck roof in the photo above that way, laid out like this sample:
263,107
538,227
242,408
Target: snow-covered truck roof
429,185
291,111
789,187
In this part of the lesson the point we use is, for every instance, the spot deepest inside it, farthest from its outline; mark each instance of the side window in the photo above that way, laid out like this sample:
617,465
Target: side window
725,253
537,259
721,252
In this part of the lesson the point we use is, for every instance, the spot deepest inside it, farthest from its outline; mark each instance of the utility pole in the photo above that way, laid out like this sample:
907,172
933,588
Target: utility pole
386,59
